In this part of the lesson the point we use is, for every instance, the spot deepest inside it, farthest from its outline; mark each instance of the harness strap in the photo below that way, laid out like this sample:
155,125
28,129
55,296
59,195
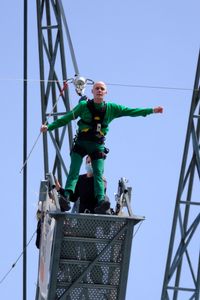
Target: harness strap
78,149
90,135
97,116
94,155
99,154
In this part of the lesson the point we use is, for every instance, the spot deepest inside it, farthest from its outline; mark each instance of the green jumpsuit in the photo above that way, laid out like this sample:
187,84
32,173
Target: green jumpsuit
113,111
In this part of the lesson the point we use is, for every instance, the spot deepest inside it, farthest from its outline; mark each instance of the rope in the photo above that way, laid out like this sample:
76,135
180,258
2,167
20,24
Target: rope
61,93
138,228
109,84
37,80
14,264
151,87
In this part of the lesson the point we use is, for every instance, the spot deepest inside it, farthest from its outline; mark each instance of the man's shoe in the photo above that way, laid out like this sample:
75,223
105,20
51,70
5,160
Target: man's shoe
102,208
63,200
109,212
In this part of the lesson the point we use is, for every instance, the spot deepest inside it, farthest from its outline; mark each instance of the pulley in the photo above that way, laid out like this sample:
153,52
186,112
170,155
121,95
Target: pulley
80,84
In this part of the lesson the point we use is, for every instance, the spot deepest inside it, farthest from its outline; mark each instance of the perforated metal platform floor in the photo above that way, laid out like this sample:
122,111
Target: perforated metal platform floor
89,259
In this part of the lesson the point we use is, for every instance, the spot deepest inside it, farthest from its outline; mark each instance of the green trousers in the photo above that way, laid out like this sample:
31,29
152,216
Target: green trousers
97,165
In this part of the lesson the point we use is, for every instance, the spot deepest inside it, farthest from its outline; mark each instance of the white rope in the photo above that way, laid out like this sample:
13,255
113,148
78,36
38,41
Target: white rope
14,264
111,84
35,143
151,87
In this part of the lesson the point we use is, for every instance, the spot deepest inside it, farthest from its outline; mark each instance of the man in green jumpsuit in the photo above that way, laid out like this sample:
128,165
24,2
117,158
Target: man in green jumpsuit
95,116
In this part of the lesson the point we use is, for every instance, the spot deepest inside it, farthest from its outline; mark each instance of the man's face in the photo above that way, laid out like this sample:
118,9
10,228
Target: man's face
99,91
88,166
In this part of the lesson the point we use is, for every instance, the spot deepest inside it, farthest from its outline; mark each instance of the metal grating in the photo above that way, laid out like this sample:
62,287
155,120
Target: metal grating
100,274
92,228
89,294
88,250
93,254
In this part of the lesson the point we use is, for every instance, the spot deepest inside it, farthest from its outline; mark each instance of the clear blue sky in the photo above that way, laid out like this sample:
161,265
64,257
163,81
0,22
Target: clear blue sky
149,43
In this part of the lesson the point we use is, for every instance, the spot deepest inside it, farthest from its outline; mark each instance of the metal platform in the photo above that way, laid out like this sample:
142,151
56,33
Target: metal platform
85,257
82,256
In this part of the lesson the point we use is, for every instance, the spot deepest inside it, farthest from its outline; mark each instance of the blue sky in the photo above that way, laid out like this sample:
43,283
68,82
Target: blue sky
146,43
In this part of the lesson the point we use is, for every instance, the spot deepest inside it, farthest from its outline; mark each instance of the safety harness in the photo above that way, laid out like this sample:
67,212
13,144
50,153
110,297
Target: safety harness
94,133
94,155
97,116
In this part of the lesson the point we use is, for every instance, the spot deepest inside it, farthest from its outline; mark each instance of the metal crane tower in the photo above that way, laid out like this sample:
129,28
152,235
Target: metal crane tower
182,273
53,73
81,256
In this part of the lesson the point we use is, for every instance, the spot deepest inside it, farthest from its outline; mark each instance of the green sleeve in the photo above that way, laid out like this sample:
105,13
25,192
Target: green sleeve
72,115
118,111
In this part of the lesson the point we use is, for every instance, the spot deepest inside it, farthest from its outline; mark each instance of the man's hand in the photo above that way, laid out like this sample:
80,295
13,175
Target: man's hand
158,110
57,185
44,128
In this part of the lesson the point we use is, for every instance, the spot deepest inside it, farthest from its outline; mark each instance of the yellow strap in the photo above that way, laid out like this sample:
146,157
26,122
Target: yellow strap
85,129
101,132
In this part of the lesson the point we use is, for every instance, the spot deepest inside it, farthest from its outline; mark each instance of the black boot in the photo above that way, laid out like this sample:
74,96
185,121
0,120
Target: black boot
64,200
103,208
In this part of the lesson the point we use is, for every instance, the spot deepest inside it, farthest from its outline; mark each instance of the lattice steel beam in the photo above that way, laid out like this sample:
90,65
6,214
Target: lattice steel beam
182,273
52,69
